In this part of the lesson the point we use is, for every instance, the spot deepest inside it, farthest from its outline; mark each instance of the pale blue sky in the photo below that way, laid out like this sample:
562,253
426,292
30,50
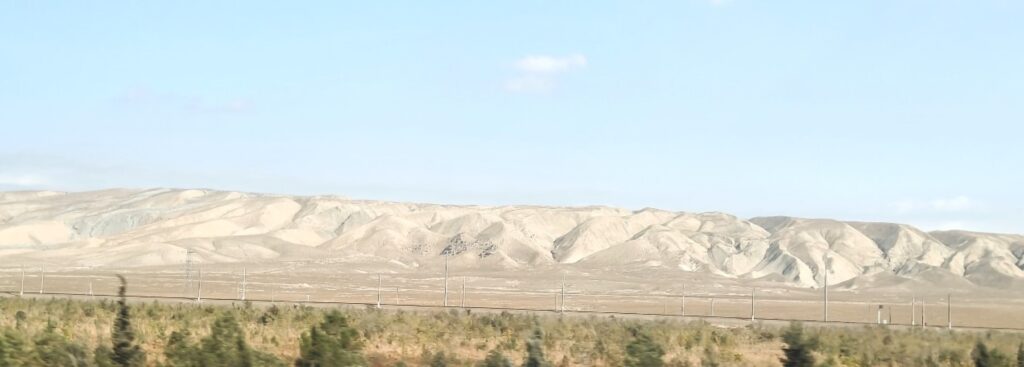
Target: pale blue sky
906,111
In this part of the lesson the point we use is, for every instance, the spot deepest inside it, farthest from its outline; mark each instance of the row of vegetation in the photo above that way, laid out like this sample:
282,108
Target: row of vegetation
35,332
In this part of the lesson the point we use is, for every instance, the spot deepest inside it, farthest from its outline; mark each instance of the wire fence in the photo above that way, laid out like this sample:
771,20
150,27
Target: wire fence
570,296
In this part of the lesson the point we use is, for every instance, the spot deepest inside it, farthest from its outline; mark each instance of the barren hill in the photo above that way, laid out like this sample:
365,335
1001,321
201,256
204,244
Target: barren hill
155,227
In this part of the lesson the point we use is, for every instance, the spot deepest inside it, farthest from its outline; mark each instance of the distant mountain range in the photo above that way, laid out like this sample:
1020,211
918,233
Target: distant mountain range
155,227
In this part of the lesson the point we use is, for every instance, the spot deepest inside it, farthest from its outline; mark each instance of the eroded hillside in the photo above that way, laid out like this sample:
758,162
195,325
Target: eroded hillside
155,227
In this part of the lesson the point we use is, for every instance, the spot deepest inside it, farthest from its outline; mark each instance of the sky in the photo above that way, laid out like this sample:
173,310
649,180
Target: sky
906,111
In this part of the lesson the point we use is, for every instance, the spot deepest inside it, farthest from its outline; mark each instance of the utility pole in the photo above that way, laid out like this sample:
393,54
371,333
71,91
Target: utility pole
22,293
949,311
445,280
682,302
243,284
825,290
189,272
924,319
463,292
40,280
913,311
378,290
398,296
562,309
752,303
878,315
199,290
712,307
90,289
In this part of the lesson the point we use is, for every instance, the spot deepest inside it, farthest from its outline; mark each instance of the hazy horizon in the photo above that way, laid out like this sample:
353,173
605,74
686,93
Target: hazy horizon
470,204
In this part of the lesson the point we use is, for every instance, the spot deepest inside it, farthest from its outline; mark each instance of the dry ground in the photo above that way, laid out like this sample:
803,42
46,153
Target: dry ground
656,292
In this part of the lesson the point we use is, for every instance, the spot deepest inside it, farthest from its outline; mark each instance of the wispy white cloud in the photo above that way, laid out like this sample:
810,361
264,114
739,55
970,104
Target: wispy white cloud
904,206
538,73
529,83
150,99
950,225
27,171
551,64
944,213
22,180
948,205
954,204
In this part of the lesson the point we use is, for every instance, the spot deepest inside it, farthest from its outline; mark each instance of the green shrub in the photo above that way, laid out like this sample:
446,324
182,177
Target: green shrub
332,343
187,335
535,350
179,351
1020,355
227,346
985,357
53,349
643,352
797,353
495,359
125,352
14,350
439,360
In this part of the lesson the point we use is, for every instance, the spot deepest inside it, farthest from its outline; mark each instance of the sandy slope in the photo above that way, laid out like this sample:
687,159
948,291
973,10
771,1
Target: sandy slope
155,227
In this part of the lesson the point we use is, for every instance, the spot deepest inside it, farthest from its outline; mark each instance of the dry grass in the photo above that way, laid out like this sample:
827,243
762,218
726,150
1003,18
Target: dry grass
412,337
